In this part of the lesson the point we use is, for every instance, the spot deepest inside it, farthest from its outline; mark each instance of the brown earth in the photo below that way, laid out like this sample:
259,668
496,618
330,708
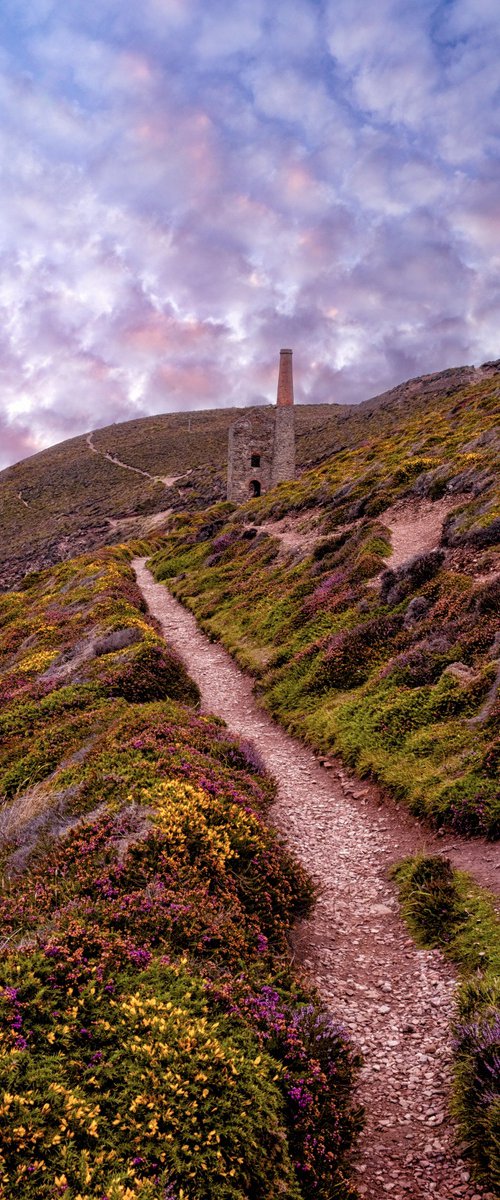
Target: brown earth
415,527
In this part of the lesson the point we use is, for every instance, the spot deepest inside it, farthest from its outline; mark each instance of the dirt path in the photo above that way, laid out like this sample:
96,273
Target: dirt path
395,999
416,527
292,535
167,480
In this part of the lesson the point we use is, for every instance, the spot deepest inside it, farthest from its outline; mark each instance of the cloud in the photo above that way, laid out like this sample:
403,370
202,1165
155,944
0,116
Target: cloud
186,188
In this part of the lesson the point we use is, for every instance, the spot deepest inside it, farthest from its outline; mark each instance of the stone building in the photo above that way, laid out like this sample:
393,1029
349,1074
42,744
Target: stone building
261,449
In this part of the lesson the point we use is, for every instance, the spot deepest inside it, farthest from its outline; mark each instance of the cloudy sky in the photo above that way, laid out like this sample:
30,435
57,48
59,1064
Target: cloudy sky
188,185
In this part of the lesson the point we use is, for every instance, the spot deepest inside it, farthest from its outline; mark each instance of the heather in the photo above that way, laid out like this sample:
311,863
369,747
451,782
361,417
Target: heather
68,501
445,909
154,1039
396,670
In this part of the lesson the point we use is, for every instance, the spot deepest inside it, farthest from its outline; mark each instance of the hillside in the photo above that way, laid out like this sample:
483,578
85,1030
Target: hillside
365,598
67,499
154,1038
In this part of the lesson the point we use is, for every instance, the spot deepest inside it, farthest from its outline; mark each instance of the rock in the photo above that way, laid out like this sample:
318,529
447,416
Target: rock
462,673
417,608
117,639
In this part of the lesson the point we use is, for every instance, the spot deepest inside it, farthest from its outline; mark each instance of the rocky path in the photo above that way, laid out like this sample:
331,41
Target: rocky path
395,999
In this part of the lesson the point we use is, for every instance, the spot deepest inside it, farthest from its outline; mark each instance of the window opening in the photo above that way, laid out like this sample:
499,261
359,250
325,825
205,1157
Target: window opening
255,460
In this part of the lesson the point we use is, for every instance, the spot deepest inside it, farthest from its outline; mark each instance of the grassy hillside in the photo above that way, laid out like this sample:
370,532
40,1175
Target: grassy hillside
66,500
153,1038
396,670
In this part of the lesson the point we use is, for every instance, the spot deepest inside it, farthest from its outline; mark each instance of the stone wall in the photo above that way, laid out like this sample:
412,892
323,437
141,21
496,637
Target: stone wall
271,436
248,437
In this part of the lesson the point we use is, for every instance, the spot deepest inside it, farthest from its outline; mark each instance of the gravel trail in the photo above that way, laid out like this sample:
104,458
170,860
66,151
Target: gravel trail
395,999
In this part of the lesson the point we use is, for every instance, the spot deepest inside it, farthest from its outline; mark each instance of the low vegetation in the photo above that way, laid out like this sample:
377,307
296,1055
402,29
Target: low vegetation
154,1039
445,909
67,500
396,670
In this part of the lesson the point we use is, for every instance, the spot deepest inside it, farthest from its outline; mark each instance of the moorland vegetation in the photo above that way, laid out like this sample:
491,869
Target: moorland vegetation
395,670
154,1039
67,499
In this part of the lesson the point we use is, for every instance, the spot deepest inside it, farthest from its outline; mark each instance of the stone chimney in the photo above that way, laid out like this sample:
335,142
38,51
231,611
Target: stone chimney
283,465
285,380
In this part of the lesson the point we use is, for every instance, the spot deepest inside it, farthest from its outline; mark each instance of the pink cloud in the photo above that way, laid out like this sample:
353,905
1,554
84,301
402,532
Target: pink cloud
185,191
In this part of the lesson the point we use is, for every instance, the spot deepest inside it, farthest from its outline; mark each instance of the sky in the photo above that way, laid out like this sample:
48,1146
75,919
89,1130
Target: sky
189,185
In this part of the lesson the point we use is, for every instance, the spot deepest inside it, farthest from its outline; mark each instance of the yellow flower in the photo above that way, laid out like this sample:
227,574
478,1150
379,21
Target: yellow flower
38,661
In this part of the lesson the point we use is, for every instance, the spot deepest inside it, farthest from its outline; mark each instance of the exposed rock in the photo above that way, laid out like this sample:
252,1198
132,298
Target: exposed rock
461,672
118,639
417,609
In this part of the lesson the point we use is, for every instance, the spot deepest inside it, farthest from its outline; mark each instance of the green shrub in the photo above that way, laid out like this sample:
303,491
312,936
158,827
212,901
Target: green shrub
430,898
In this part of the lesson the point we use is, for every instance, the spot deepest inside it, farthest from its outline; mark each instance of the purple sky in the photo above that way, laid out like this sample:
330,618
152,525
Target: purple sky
188,185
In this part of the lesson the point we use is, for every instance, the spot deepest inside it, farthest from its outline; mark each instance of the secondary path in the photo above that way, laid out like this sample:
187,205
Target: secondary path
395,999
416,526
166,480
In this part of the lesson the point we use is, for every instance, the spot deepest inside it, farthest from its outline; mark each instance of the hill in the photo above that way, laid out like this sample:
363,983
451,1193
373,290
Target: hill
146,984
365,598
154,1038
69,499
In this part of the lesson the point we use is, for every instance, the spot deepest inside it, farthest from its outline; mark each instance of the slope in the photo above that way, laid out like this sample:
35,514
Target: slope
396,669
66,499
154,1039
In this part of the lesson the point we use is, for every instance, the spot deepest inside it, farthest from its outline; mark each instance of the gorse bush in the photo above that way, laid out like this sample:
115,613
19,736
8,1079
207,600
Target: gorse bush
154,1040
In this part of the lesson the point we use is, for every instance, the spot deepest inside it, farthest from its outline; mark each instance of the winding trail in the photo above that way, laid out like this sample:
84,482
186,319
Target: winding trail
166,480
395,999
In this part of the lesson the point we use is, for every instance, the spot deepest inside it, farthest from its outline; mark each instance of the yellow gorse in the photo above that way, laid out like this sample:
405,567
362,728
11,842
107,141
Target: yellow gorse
38,661
186,814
